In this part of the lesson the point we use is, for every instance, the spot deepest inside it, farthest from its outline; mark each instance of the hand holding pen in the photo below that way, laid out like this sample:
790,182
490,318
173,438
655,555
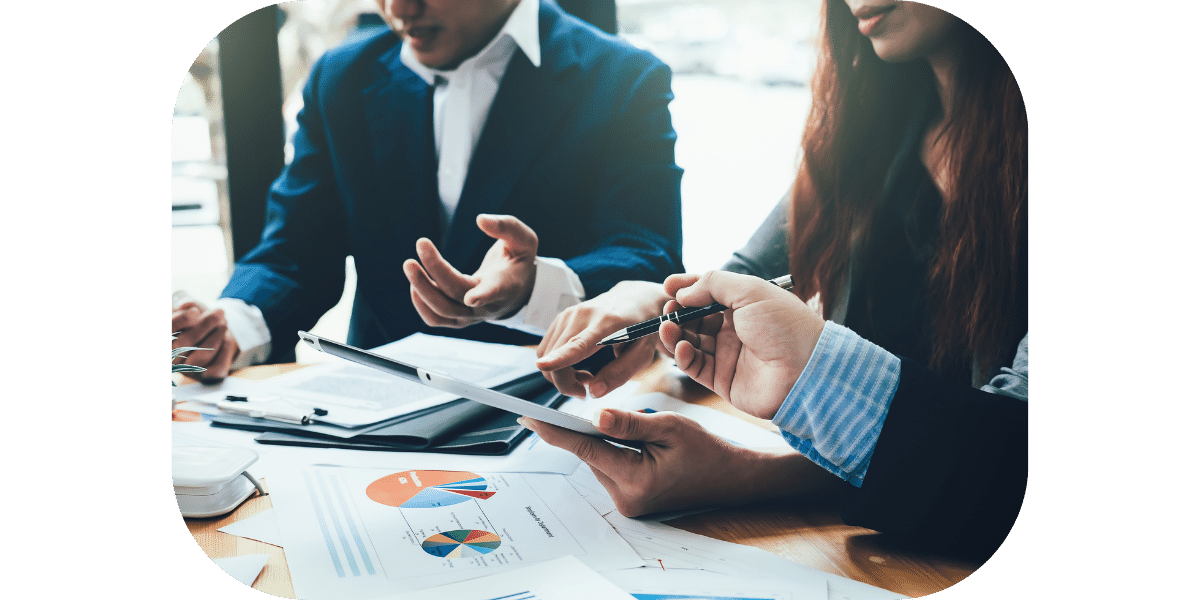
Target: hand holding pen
683,315
577,331
754,353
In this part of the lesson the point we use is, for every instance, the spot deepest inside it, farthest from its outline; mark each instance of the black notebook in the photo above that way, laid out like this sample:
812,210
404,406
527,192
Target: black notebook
460,426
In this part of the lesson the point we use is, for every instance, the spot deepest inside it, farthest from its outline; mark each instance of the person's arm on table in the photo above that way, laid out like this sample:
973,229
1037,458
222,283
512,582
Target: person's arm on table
938,463
949,467
297,271
197,327
236,330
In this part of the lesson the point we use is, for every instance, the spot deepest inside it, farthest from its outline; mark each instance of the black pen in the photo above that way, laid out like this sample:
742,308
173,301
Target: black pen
646,328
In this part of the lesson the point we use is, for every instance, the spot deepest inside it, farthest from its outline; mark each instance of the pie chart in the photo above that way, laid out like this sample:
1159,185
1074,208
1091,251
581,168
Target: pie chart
428,489
461,543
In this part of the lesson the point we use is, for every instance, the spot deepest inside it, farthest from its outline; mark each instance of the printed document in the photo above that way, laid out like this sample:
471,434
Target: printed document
560,579
357,532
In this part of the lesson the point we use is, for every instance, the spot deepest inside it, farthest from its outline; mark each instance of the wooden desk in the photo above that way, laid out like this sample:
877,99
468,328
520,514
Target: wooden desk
810,535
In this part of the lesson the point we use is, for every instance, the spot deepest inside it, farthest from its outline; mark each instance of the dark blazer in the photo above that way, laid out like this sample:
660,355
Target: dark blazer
581,149
949,469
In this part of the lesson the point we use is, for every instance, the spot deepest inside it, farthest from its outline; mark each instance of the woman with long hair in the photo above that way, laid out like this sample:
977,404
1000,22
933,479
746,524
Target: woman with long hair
897,366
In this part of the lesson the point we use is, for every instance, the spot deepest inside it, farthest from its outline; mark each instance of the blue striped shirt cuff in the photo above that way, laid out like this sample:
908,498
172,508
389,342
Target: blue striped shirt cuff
834,412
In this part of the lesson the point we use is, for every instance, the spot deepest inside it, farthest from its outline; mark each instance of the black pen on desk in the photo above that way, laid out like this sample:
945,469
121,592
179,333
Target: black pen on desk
684,315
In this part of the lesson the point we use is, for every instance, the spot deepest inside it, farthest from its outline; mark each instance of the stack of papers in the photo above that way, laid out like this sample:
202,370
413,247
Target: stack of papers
358,398
350,406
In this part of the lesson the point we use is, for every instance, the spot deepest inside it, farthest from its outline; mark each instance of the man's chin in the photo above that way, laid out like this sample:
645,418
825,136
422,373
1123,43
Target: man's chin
436,61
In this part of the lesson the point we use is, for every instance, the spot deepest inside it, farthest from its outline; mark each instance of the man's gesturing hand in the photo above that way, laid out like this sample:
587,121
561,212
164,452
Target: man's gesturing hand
444,297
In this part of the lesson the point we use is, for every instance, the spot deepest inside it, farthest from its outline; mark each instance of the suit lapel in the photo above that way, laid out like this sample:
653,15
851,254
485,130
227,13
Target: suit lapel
399,111
528,107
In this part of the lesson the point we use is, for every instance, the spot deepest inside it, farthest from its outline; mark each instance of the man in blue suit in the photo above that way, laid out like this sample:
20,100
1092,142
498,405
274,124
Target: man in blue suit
484,121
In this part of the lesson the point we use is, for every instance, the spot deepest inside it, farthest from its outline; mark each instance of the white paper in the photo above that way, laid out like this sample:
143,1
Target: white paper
659,584
731,428
343,540
230,386
261,527
584,481
531,456
668,548
244,568
561,579
356,395
665,547
841,588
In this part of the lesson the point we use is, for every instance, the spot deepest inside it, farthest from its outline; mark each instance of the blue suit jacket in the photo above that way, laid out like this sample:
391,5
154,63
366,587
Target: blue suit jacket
581,149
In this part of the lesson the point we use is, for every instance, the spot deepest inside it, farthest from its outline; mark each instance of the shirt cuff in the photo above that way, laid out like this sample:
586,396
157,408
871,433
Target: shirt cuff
835,411
249,329
555,288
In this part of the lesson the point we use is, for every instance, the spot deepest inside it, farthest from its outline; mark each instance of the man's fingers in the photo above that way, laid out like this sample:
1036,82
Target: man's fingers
670,333
626,425
489,291
548,341
226,350
200,330
431,318
700,334
734,290
709,326
579,347
211,343
518,238
434,298
685,353
442,273
609,459
187,315
629,361
696,364
674,283
569,381
728,345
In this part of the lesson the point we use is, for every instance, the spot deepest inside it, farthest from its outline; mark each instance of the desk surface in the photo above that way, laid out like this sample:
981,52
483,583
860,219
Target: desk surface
810,535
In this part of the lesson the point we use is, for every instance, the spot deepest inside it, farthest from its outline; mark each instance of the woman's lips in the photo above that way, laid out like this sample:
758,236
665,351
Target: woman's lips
869,20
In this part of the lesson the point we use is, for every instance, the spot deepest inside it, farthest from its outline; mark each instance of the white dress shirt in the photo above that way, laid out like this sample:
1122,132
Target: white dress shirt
461,101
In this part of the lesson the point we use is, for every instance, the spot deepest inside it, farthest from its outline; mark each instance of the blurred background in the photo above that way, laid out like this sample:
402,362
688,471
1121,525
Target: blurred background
741,72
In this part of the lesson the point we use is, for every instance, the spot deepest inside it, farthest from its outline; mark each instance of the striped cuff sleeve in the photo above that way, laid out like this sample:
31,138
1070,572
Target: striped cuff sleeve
834,412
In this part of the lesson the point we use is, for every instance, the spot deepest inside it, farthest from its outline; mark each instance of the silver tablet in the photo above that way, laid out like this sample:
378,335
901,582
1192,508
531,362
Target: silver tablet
458,387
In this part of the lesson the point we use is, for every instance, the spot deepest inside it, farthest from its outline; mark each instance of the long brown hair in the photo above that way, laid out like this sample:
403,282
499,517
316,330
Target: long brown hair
978,275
